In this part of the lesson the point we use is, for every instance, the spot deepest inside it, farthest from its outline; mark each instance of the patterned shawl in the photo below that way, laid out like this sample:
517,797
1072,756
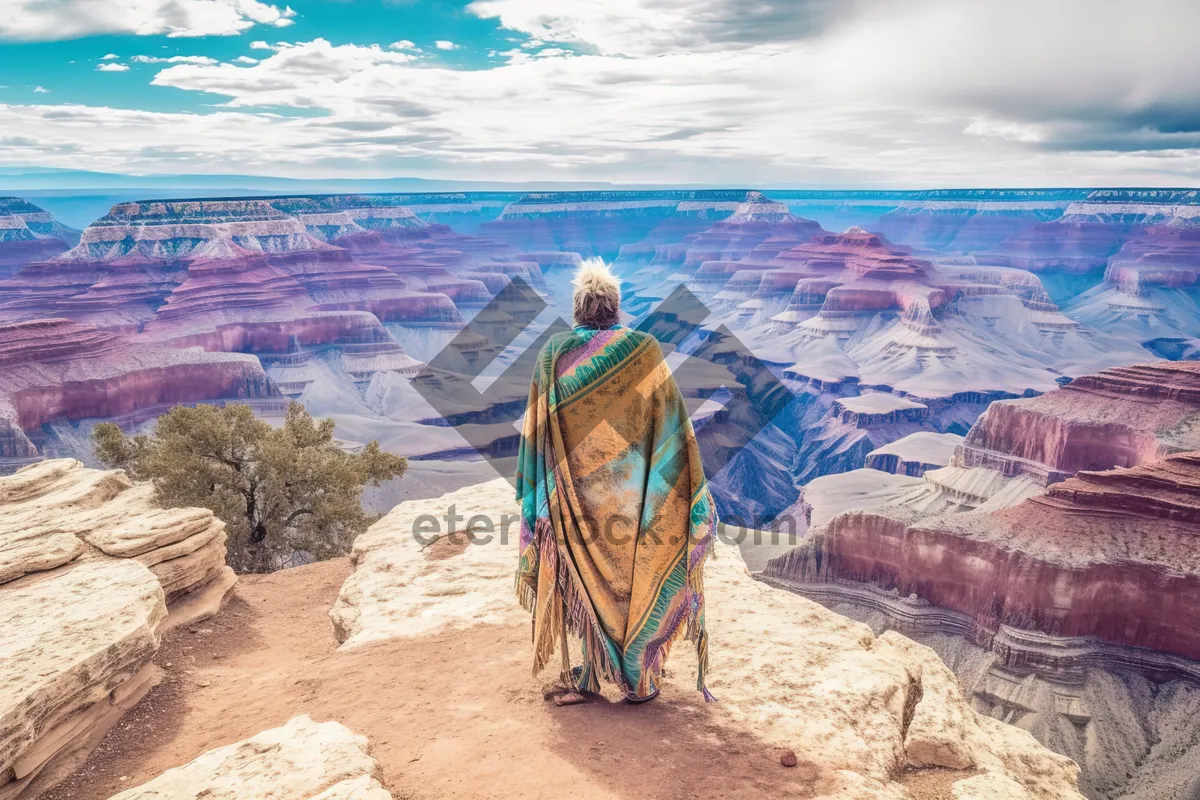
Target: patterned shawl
616,514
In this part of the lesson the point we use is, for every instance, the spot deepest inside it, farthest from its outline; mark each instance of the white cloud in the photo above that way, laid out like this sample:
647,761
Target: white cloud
111,67
404,44
50,20
41,90
926,93
657,27
443,44
175,60
109,57
246,60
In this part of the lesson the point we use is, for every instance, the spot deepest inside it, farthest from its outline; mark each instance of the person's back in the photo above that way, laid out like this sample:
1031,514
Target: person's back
616,514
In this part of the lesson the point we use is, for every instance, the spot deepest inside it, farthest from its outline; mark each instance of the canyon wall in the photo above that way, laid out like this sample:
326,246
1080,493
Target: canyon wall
59,370
1058,542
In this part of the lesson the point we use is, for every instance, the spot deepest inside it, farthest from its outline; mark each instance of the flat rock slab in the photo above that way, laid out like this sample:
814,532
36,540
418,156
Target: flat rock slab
301,760
856,708
68,641
52,511
44,507
412,578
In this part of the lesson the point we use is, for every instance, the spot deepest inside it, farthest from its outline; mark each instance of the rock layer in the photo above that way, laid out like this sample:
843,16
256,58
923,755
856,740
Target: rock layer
91,574
76,651
1060,544
55,369
29,233
1119,417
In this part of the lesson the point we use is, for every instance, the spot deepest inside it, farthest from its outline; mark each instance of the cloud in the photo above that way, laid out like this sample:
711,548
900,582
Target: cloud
109,57
246,60
52,20
443,44
174,59
41,90
404,44
1085,76
657,27
112,67
925,93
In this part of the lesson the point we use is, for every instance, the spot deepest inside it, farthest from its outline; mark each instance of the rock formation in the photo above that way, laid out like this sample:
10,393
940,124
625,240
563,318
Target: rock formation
301,760
839,315
91,574
1150,288
1059,542
29,233
1076,247
1120,417
608,223
915,454
967,225
902,707
203,265
59,370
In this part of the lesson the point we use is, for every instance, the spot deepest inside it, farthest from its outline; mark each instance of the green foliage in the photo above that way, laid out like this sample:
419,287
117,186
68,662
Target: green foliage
286,495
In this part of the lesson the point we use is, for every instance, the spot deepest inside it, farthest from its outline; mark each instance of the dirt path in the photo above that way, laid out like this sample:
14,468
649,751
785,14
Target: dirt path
445,716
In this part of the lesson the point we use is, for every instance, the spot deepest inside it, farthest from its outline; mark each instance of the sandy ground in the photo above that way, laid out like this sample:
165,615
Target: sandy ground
444,715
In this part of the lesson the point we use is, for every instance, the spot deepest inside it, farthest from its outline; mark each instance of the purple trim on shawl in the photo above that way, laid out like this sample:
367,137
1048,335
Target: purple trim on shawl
573,358
652,656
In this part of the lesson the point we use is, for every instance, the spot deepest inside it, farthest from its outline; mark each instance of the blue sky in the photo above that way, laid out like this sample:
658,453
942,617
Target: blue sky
774,92
68,68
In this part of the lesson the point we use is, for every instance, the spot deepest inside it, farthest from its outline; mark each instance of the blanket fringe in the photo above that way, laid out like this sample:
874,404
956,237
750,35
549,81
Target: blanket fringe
569,607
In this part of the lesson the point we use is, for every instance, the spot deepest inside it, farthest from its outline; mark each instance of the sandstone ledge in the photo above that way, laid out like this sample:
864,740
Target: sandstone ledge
88,568
54,512
75,650
788,672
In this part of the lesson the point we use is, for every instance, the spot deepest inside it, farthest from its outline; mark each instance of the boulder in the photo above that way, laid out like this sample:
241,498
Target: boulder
301,760
395,591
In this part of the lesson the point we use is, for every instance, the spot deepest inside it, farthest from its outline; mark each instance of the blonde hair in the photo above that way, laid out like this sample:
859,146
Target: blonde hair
597,300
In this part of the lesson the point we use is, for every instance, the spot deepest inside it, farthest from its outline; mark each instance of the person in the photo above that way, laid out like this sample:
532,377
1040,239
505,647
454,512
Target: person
616,514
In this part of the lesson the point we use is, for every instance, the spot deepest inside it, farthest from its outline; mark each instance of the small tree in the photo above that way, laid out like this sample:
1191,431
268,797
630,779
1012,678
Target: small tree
286,495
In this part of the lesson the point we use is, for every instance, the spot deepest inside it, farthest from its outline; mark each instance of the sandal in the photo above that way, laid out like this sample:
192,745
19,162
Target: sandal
635,700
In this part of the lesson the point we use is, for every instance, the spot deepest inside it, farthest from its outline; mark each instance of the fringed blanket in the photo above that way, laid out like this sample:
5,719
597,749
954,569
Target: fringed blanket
616,515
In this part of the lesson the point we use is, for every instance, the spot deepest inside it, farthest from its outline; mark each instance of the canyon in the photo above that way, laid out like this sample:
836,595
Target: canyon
973,410
1058,544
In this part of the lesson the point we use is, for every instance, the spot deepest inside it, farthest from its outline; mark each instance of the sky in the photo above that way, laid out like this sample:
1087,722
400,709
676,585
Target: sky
804,93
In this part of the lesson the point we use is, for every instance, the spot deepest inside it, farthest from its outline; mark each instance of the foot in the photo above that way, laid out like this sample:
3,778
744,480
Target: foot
569,699
555,688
